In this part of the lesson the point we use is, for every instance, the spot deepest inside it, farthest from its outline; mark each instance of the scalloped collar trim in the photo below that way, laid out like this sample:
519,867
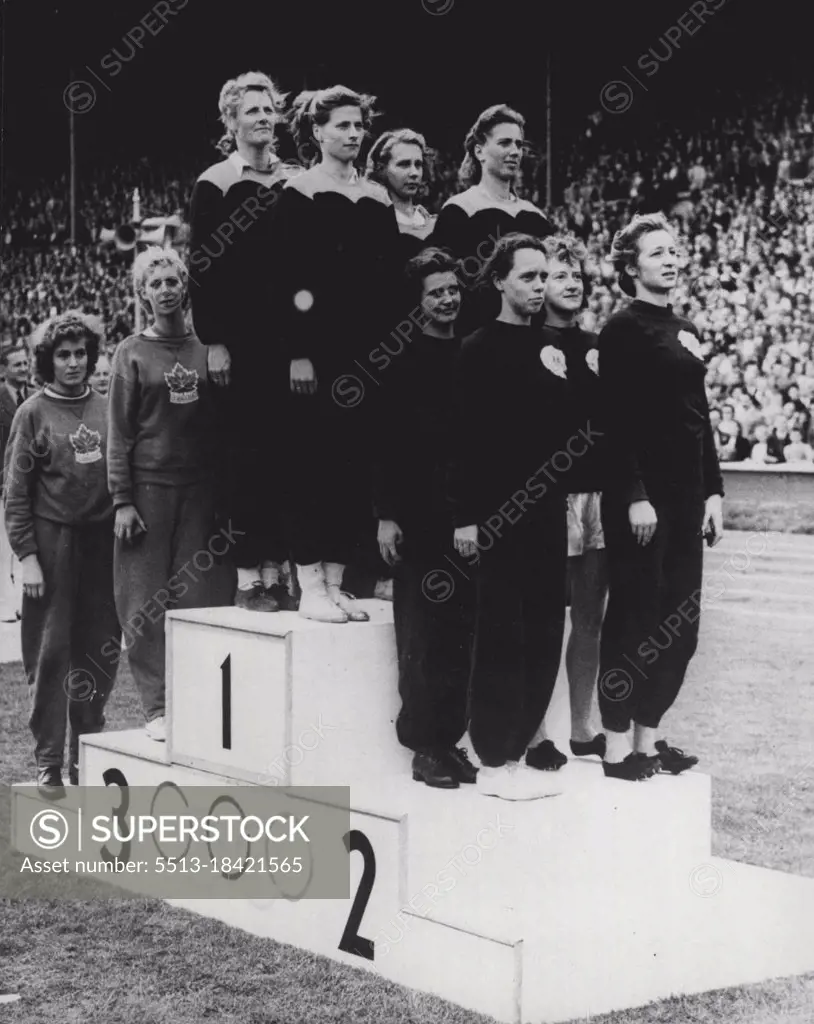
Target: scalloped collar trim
475,199
317,180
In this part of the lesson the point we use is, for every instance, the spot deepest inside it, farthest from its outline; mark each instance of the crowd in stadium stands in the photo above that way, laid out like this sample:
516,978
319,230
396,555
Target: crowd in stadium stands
740,190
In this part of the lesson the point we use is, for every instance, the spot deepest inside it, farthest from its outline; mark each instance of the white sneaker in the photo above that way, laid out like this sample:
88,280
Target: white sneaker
516,782
157,729
321,608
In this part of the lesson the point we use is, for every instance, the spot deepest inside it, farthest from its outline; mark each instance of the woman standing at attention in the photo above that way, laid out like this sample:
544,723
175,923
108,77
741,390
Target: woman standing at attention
338,275
662,498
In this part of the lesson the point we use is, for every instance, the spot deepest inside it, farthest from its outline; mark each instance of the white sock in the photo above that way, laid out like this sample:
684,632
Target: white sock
333,574
312,578
617,746
248,578
270,574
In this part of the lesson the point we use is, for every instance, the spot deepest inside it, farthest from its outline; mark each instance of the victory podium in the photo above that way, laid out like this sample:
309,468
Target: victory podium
601,898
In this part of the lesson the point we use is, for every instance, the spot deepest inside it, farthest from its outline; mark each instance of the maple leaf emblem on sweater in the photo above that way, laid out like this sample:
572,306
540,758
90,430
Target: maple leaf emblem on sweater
183,385
592,359
87,444
691,343
553,360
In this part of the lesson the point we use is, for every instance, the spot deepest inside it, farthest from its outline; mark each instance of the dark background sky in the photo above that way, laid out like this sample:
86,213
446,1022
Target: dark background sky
431,72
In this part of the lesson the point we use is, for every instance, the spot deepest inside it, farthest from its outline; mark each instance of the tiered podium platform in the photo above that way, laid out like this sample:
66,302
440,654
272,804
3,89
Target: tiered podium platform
601,898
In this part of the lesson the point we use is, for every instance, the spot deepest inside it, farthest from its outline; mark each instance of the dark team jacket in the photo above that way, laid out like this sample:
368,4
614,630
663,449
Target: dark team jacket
586,443
338,271
660,444
469,225
410,474
232,261
511,425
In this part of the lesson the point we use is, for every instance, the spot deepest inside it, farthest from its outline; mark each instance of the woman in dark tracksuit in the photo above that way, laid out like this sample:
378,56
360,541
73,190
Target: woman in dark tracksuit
432,611
662,497
338,271
509,509
472,221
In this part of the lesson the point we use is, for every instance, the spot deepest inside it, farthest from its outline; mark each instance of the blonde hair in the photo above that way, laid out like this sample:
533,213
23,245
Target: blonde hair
380,152
231,96
152,257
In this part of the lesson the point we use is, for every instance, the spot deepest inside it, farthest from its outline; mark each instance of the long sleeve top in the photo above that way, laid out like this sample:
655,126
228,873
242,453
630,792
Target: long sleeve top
410,475
511,425
338,270
660,444
586,428
231,257
160,414
55,465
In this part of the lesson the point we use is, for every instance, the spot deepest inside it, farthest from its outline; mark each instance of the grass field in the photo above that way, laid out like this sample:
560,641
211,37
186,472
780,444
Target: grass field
747,709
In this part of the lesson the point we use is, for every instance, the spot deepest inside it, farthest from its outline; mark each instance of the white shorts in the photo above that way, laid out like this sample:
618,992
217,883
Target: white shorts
584,523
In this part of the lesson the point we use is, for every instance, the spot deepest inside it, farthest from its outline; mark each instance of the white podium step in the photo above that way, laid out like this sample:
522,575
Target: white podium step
602,898
277,699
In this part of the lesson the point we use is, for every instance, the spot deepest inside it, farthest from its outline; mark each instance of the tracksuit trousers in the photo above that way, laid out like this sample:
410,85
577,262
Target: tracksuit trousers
182,561
433,616
520,588
64,633
654,606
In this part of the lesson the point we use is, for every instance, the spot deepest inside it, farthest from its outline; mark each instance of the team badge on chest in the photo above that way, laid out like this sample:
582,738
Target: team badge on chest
592,359
183,385
553,360
86,444
691,343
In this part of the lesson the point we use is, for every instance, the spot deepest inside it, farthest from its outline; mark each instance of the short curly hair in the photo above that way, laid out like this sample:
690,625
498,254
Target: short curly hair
72,325
146,261
380,152
567,248
431,260
233,92
625,247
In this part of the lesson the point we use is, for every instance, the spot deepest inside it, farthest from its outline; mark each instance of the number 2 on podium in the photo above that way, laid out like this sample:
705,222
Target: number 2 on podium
352,941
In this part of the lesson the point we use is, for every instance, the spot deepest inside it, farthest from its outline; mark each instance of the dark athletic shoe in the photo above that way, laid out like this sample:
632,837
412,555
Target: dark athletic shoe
462,768
595,746
49,782
545,757
672,760
634,768
433,770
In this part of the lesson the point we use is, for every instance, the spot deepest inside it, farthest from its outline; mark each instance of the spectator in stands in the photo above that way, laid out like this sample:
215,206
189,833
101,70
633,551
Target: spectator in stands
59,518
760,450
797,451
779,439
14,365
100,378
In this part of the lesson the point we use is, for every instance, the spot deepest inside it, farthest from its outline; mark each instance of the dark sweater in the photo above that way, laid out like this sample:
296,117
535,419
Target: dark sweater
338,271
55,465
159,414
231,260
415,426
584,407
660,445
511,418
469,225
